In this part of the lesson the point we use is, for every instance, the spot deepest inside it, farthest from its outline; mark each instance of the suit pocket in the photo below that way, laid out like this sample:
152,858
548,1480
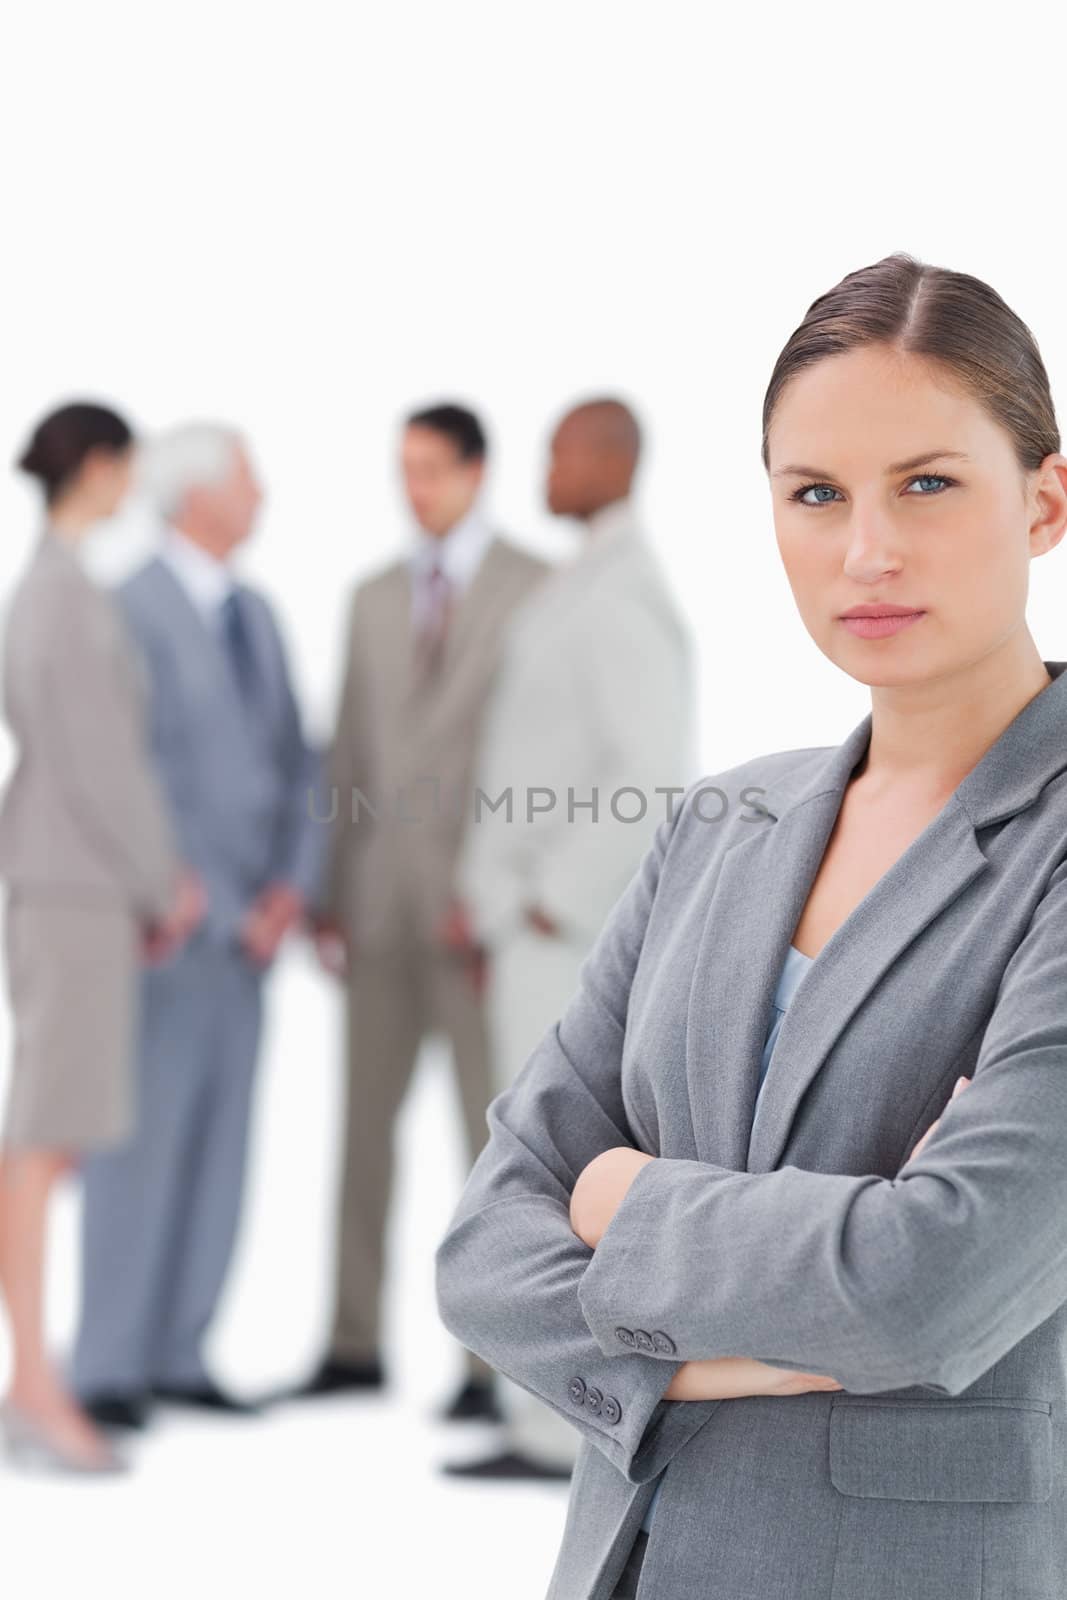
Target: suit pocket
955,1450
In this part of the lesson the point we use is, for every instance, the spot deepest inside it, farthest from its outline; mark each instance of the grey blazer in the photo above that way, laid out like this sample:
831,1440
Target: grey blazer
83,812
935,1297
238,786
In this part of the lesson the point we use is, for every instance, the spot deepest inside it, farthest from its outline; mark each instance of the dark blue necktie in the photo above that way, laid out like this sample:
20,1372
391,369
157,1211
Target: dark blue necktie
238,641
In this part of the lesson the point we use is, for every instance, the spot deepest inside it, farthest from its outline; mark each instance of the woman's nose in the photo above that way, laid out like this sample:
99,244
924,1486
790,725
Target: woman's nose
872,545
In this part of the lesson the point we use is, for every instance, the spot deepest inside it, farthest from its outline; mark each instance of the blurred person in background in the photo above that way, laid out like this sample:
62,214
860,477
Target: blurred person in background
88,858
420,656
589,723
161,1214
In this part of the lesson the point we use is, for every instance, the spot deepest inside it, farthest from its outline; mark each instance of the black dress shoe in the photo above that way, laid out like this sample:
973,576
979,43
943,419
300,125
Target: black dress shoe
207,1397
474,1402
508,1464
341,1377
126,1411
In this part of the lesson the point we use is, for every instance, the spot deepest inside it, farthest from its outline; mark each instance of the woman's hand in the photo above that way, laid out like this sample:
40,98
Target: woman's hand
601,1189
736,1377
960,1085
163,939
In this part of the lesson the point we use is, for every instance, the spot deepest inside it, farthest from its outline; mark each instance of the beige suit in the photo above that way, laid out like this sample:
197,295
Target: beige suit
401,775
86,852
593,701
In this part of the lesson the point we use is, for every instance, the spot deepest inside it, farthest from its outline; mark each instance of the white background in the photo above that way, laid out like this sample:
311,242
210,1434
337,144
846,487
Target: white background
308,218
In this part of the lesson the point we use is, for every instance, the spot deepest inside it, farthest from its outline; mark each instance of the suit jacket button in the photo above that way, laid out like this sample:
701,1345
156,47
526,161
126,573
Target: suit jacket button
576,1390
625,1336
611,1409
643,1340
594,1399
663,1343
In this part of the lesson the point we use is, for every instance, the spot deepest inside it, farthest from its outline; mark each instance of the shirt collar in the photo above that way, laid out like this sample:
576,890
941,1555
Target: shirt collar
459,551
206,581
608,531
620,517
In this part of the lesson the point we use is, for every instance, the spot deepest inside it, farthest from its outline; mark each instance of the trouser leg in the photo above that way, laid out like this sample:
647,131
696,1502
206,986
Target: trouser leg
215,1180
459,1012
133,1196
384,1029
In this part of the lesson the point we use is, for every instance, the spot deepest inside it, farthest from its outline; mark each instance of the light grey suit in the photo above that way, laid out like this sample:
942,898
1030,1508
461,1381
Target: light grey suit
593,701
936,1298
86,853
160,1216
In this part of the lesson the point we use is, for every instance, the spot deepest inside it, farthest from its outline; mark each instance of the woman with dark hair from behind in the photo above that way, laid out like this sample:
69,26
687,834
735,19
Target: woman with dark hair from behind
87,857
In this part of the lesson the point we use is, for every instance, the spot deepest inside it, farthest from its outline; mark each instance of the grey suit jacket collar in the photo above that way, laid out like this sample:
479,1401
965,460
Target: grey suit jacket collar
51,547
178,603
758,888
1010,776
196,640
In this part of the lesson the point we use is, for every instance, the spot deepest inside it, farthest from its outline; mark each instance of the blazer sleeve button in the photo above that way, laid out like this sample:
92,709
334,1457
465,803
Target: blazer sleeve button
594,1399
663,1343
625,1336
576,1390
643,1340
611,1410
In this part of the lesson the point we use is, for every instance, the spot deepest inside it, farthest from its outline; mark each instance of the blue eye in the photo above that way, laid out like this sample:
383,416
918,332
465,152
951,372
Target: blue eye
821,489
929,477
825,493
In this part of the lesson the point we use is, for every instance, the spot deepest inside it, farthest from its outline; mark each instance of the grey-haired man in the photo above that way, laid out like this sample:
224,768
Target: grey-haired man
161,1213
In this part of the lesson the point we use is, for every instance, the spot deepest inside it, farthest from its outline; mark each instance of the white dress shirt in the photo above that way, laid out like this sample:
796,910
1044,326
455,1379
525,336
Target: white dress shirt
459,553
205,580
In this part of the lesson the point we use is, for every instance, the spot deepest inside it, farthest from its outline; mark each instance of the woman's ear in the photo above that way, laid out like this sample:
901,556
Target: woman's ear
1048,504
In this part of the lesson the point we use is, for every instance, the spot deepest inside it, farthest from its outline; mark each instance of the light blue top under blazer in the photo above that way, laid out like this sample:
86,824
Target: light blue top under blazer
795,965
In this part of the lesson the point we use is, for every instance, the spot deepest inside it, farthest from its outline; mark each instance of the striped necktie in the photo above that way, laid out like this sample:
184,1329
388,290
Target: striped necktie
433,623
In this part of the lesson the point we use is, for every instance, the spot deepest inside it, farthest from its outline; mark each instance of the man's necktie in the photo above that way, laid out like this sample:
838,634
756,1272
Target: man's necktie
433,624
238,641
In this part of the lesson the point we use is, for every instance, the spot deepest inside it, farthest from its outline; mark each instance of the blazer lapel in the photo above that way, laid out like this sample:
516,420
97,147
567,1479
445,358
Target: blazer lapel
762,884
936,867
759,890
198,643
473,604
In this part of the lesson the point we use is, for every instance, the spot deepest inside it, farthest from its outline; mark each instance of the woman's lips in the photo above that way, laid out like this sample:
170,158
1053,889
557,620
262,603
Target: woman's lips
881,627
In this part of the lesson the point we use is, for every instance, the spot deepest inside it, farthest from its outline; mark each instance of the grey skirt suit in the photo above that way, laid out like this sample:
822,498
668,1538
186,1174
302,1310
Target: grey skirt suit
787,1230
86,856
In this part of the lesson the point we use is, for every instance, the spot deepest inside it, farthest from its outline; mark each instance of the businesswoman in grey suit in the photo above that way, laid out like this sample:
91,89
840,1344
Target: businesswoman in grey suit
815,1338
87,859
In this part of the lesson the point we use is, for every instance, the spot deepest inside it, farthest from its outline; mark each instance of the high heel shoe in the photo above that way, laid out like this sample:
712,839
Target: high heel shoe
29,1445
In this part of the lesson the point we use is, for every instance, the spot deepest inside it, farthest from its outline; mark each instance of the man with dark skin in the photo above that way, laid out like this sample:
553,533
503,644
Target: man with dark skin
592,698
594,456
594,453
